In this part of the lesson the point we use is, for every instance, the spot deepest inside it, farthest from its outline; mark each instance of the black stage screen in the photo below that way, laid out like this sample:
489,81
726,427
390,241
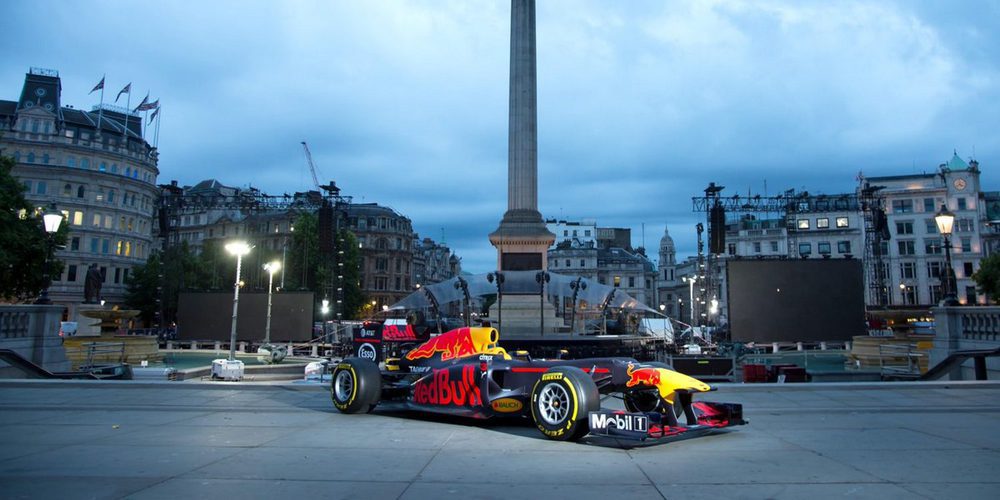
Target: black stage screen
209,316
795,300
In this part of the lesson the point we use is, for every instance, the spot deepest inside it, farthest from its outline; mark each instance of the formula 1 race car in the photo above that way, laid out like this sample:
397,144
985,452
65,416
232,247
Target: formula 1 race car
463,372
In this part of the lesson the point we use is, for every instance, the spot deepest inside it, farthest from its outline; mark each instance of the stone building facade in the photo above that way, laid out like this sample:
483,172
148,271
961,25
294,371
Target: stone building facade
98,171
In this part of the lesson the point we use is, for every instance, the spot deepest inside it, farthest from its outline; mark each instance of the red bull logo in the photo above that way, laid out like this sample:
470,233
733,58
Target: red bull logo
440,389
642,376
395,332
457,343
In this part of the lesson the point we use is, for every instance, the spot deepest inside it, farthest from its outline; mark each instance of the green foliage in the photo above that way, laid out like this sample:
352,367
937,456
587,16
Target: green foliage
988,277
173,271
25,248
354,299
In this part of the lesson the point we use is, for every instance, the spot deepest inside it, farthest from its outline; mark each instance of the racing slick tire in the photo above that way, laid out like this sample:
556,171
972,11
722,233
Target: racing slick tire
561,402
356,386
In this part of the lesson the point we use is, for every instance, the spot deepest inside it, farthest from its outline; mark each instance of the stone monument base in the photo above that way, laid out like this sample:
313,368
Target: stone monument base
521,317
87,326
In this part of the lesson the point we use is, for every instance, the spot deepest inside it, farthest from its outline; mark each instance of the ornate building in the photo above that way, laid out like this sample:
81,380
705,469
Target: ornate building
97,169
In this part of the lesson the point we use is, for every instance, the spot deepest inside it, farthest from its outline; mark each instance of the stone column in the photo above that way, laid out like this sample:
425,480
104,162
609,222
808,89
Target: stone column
522,239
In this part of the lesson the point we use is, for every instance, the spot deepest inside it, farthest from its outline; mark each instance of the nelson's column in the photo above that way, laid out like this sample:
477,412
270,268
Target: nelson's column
522,240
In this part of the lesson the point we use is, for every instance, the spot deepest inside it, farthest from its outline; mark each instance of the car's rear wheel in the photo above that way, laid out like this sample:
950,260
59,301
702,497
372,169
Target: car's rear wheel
561,402
356,385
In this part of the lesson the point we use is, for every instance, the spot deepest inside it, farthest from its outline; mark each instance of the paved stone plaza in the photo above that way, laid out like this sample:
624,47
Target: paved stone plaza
252,440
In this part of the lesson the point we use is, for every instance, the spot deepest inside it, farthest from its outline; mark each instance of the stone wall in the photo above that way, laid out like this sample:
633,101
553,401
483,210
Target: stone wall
33,332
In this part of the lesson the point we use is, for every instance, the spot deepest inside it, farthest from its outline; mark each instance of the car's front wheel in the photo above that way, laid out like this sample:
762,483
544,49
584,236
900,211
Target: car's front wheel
561,402
356,385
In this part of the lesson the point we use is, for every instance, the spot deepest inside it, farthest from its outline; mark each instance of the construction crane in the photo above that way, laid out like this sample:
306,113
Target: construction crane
330,188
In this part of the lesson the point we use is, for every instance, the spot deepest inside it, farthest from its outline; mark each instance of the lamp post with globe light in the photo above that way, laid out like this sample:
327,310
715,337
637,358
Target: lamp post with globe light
51,219
239,249
945,221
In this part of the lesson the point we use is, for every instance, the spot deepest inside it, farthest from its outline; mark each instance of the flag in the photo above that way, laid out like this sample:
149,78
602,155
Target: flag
155,112
99,86
148,106
142,104
126,90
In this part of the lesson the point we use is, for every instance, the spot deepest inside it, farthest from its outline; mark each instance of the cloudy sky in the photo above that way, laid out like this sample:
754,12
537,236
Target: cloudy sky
641,103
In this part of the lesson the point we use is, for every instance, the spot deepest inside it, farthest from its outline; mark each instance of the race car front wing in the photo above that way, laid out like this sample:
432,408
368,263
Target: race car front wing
657,426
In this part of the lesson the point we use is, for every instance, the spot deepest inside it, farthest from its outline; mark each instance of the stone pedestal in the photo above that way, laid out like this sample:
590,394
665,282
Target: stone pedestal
521,317
87,326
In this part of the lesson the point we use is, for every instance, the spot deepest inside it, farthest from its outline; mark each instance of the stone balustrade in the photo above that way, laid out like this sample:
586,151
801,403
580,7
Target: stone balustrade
959,328
33,332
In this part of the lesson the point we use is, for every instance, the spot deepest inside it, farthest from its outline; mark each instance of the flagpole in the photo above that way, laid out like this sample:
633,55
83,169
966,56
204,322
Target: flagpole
128,111
100,109
159,116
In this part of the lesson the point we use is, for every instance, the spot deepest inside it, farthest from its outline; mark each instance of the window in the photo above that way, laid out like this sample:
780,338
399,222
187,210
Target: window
78,218
961,204
823,248
574,233
105,246
883,248
803,224
103,167
631,281
582,262
118,275
843,222
967,267
774,246
567,263
934,269
966,245
909,294
586,233
906,247
805,248
618,281
929,205
902,206
41,187
45,158
904,227
67,190
93,245
99,197
756,247
111,196
822,223
71,273
85,163
80,192
907,270
381,264
970,295
930,226
936,296
844,246
107,222
31,157
932,246
964,225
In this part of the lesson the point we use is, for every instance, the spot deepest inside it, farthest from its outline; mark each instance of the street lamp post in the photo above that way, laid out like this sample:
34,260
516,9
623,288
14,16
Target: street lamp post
239,249
663,308
52,219
498,277
690,281
271,268
541,277
945,222
577,285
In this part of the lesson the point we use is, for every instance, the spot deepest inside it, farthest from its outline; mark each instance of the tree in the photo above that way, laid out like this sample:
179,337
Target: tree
988,277
25,248
308,269
162,278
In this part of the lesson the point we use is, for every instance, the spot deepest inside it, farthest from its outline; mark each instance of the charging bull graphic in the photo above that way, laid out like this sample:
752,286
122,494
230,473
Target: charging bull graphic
459,343
642,376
